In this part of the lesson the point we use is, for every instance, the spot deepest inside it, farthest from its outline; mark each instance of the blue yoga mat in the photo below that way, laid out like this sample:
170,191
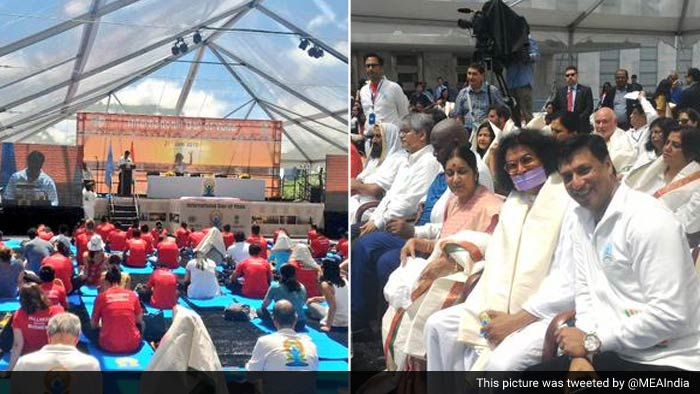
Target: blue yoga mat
167,313
254,303
89,303
13,244
333,365
147,270
327,348
88,291
119,362
9,304
180,271
74,300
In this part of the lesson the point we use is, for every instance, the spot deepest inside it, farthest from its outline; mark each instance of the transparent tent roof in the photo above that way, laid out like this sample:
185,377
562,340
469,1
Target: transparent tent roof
64,56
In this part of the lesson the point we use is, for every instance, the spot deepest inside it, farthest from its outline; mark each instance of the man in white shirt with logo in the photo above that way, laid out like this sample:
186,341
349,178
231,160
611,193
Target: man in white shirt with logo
284,350
383,101
636,288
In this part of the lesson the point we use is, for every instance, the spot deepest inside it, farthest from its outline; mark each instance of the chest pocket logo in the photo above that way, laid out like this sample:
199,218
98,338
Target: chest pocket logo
608,254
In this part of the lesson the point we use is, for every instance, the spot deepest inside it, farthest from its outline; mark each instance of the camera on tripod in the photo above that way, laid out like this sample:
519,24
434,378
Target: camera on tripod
501,38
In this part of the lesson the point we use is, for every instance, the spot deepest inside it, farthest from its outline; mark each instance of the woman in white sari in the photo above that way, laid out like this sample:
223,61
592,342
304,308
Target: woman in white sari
674,178
380,170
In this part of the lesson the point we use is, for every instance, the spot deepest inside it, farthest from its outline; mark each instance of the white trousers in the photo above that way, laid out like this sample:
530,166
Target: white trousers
518,351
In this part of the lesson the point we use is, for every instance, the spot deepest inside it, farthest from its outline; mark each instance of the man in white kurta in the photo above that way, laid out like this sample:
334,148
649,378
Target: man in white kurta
622,152
636,288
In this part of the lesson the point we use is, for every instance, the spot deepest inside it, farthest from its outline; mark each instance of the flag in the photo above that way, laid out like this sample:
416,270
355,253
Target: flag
109,169
133,156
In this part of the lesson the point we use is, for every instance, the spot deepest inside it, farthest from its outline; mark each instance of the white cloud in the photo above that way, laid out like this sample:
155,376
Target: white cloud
327,17
76,7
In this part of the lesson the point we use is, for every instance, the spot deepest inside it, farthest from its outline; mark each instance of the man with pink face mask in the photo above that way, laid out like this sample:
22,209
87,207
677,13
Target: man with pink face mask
502,322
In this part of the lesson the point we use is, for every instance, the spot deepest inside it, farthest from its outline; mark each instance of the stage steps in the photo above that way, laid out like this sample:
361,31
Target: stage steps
123,212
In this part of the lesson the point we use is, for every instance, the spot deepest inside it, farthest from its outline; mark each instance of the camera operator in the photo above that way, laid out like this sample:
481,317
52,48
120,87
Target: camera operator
473,102
520,77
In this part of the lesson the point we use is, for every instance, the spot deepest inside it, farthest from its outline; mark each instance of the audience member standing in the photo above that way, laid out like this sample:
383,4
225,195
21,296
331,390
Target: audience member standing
617,102
575,98
382,100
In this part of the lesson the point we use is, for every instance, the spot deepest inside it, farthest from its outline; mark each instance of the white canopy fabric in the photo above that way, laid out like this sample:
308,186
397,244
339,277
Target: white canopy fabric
65,56
558,25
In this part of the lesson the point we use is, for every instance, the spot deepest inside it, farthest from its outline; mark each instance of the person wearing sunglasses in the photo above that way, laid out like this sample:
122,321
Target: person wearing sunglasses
383,101
575,98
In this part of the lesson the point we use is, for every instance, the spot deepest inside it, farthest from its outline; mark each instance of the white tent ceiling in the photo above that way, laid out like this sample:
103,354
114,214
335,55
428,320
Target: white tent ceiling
64,56
559,25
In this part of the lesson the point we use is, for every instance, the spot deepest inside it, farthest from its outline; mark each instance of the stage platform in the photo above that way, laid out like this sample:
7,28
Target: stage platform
209,211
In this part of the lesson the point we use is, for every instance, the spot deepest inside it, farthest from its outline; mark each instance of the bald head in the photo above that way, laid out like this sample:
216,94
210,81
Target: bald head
605,123
284,315
446,135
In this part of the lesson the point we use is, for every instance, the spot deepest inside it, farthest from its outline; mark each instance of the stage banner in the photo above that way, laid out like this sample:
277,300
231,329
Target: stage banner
225,147
215,212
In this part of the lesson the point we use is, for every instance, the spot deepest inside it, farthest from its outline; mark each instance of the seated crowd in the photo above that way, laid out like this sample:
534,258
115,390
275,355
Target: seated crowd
43,272
573,217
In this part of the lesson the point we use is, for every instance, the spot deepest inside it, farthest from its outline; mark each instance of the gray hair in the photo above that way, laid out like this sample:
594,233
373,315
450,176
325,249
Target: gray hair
64,323
418,122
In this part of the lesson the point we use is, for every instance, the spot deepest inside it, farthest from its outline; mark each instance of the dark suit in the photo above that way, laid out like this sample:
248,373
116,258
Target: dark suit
690,98
583,104
610,103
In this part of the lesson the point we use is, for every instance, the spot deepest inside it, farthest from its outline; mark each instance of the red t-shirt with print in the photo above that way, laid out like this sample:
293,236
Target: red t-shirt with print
118,308
33,327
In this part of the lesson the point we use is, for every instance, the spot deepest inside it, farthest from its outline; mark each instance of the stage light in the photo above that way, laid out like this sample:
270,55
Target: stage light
315,52
197,37
175,50
312,52
303,44
183,46
320,53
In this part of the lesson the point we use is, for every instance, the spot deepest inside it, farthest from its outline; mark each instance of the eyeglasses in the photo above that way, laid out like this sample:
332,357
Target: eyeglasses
526,161
404,131
683,121
370,65
570,75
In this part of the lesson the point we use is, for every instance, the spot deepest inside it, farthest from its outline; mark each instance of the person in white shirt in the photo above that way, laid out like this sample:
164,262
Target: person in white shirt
413,176
35,184
201,275
635,284
641,117
89,197
284,350
336,292
382,100
60,354
238,252
622,152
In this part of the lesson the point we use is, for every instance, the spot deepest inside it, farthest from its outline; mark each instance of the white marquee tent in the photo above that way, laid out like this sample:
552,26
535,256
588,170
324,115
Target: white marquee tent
62,56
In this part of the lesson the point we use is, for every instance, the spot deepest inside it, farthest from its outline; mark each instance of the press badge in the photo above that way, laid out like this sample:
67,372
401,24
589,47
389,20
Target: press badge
372,119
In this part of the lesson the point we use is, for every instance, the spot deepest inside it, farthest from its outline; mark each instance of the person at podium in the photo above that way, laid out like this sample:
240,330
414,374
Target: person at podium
31,185
126,166
180,167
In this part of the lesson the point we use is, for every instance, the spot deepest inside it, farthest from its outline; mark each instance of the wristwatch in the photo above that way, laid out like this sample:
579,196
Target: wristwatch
591,343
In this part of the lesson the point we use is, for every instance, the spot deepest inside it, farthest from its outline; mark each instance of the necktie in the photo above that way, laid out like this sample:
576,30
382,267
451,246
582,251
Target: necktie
570,100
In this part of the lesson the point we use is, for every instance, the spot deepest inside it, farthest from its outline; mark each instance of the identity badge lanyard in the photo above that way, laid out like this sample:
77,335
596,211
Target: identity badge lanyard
373,96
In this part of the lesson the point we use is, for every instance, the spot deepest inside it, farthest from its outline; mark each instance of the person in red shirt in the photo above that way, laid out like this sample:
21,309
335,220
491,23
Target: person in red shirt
95,262
169,253
130,230
146,236
105,228
136,251
163,283
257,239
342,246
195,238
311,234
30,321
82,240
62,265
320,246
229,238
79,229
182,235
53,287
158,232
256,272
117,314
117,241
